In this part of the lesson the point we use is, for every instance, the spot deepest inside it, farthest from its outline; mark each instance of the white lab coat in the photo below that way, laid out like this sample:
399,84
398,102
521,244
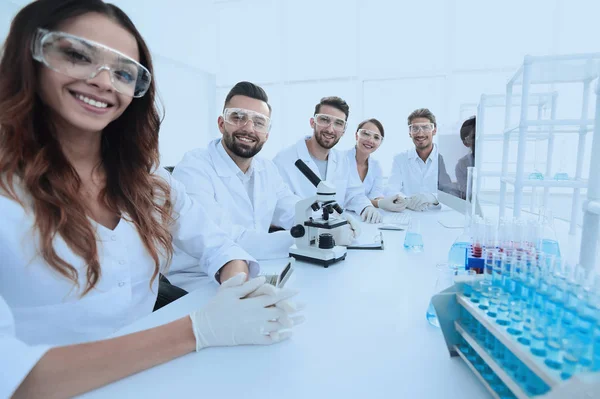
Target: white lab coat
460,170
373,183
212,178
40,308
411,176
349,191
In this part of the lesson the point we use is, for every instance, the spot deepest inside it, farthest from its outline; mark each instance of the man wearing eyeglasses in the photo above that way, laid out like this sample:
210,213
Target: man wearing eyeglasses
415,172
328,124
242,192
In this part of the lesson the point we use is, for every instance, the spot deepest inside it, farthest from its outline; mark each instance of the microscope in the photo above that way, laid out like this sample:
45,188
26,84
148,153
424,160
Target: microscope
310,246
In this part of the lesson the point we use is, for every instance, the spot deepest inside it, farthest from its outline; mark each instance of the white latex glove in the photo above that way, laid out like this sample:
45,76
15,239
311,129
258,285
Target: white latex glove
353,223
420,202
371,215
345,234
393,203
234,317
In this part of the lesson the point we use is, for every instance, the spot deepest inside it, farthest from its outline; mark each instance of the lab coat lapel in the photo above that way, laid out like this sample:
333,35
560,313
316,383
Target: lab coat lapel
303,154
332,164
228,176
259,191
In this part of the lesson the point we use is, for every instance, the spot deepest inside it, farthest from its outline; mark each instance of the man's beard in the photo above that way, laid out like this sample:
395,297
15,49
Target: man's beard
322,143
242,150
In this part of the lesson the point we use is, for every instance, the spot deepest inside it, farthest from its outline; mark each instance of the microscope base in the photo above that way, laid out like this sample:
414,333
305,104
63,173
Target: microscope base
324,257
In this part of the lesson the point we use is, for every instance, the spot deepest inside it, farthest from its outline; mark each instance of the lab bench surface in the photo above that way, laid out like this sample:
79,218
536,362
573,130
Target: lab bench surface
365,336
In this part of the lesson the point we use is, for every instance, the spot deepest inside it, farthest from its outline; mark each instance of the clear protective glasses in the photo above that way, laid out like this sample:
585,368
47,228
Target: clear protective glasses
324,120
240,117
415,128
370,135
84,59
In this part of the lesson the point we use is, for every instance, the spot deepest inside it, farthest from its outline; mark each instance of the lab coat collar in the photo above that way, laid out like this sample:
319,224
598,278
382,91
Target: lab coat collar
353,152
304,155
412,154
224,165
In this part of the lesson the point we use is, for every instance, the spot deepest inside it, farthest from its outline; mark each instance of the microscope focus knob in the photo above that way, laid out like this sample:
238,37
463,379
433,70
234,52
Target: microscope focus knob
297,231
315,207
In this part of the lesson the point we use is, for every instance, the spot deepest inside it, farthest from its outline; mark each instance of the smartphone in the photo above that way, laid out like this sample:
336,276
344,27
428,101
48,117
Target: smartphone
279,280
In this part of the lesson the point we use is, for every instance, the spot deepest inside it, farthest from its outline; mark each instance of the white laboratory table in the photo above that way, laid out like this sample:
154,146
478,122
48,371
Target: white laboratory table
365,336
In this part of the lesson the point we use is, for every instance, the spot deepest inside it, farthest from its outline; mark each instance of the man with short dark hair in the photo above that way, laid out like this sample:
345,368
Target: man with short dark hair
243,193
328,124
415,172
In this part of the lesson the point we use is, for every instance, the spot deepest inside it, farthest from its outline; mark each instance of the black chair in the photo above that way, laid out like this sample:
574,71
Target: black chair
167,292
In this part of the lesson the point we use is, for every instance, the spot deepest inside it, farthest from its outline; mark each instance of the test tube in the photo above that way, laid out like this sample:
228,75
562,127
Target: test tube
576,349
528,269
542,288
493,301
478,233
528,325
488,268
475,292
467,286
504,234
538,334
553,346
531,235
494,259
574,288
490,234
557,289
588,312
516,318
506,272
503,315
518,235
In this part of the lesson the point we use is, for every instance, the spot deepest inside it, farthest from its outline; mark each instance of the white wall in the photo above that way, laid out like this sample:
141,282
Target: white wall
388,58
385,58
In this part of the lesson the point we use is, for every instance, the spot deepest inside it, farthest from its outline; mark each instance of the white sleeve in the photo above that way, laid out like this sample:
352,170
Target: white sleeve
377,189
16,358
259,244
198,236
395,184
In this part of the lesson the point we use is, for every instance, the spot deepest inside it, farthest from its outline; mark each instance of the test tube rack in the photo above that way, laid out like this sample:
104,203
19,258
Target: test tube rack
506,367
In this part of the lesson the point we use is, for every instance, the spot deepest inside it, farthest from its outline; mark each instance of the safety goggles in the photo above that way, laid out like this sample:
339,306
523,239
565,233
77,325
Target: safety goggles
369,135
240,117
325,120
420,127
84,59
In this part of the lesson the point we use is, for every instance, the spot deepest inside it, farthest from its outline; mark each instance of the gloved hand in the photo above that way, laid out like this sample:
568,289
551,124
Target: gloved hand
371,215
347,233
420,202
393,203
235,317
353,223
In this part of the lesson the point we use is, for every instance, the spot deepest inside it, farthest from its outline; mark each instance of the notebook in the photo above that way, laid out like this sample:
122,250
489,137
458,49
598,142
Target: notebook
367,241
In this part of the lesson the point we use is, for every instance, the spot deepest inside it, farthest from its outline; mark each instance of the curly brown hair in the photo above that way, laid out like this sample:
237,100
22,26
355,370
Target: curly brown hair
30,151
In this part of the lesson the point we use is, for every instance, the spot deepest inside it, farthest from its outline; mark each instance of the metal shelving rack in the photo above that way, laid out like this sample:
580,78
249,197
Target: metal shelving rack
582,68
540,101
591,207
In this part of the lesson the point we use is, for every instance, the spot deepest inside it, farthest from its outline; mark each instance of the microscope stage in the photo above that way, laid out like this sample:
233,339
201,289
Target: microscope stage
319,256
